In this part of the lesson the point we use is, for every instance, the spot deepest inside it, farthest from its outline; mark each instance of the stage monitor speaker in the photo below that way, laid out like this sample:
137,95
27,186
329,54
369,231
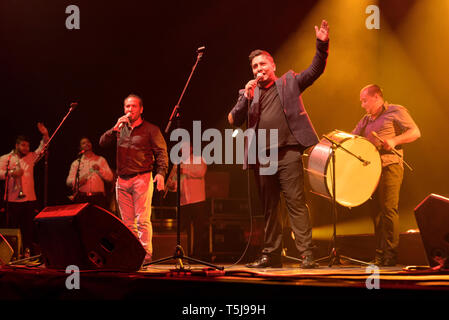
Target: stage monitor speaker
6,251
88,237
432,217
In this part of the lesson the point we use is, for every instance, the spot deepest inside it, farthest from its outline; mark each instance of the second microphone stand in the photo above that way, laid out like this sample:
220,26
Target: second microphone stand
334,256
179,251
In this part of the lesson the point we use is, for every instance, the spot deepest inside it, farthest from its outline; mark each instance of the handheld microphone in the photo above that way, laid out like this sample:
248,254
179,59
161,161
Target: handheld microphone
122,124
259,77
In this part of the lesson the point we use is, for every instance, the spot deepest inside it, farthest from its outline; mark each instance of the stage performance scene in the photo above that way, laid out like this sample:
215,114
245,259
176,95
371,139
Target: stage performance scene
222,159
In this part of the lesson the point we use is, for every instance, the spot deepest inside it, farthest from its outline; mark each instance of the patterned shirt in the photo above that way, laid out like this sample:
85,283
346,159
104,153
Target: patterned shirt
9,162
95,178
393,121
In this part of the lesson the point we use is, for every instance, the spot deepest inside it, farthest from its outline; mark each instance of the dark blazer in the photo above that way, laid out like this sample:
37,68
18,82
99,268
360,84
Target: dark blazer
289,87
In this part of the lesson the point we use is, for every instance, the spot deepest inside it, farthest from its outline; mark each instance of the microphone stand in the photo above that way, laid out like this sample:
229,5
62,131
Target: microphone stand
73,105
76,185
44,151
46,179
179,251
6,195
334,256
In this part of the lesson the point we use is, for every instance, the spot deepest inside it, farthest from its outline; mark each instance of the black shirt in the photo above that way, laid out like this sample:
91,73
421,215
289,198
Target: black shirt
138,149
272,117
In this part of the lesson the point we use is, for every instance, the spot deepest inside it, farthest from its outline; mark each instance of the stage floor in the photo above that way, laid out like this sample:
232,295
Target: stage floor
199,283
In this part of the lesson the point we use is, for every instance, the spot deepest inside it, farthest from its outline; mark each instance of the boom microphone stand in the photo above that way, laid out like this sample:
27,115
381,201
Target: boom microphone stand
44,152
334,256
41,154
179,251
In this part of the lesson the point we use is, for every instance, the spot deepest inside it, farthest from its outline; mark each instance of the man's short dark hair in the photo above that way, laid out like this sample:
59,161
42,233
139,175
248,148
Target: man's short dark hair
373,89
82,138
132,95
259,52
22,138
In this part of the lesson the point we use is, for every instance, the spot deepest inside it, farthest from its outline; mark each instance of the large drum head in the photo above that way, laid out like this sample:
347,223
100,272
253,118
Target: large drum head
355,181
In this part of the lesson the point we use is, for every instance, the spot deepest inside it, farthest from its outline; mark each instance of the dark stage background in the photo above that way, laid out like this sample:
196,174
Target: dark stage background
149,48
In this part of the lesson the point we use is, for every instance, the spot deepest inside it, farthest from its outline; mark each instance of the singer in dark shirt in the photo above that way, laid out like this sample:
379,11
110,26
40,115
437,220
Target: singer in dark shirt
272,103
141,150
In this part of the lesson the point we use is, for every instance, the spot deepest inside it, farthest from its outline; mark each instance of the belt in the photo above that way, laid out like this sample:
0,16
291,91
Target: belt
132,175
382,152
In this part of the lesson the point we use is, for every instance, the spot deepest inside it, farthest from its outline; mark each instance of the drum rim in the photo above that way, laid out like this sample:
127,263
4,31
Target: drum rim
329,159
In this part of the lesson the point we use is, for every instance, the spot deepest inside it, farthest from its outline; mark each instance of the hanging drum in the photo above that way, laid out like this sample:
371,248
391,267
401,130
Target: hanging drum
356,180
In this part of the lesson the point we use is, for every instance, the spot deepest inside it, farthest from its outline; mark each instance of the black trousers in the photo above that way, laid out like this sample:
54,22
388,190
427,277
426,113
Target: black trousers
20,215
289,180
385,213
194,221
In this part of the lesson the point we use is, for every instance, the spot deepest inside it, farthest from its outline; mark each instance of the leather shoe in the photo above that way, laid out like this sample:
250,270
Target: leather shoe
265,261
389,262
378,261
308,262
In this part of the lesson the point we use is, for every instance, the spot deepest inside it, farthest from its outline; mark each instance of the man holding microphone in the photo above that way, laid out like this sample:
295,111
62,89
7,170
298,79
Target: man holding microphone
141,149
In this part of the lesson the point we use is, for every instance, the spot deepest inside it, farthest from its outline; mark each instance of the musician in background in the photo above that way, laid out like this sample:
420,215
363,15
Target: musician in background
87,176
394,127
17,169
194,217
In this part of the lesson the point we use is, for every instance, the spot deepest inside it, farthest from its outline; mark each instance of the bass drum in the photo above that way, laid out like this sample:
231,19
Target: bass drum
355,180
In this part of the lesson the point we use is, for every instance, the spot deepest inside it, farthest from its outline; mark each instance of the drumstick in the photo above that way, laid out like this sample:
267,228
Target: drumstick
393,149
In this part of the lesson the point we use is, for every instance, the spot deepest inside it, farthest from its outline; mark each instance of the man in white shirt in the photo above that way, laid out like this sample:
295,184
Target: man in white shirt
87,176
17,169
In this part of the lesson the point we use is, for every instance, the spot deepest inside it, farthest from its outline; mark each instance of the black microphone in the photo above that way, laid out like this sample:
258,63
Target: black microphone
122,124
81,152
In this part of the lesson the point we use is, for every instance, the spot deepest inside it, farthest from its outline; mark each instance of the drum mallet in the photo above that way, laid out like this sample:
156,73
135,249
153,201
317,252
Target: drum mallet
393,149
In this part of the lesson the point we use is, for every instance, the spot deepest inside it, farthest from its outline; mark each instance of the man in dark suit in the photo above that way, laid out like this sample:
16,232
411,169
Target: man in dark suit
276,104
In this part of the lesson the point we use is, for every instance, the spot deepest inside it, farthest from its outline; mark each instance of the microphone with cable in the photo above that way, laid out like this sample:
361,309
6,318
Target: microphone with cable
250,91
365,163
81,153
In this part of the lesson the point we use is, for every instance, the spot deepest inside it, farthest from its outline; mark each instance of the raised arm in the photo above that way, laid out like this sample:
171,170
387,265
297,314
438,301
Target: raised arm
316,68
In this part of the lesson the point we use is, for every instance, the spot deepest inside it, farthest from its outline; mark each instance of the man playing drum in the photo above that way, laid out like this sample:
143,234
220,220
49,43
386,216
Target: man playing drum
388,127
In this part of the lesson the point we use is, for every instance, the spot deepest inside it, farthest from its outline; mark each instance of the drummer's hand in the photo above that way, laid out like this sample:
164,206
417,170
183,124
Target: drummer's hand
389,144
